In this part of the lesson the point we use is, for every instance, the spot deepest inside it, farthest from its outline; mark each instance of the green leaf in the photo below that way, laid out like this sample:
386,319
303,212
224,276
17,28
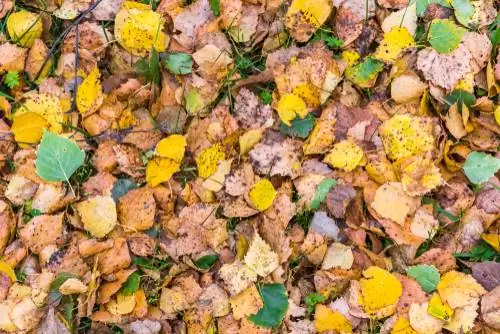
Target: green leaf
363,74
207,261
299,127
321,192
122,187
445,35
275,306
480,167
57,157
479,253
194,102
495,37
11,79
427,276
215,6
54,294
423,4
150,68
131,285
312,299
439,209
179,63
463,11
460,97
328,38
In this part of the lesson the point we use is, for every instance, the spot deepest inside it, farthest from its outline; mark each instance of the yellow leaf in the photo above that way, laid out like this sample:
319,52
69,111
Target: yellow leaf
308,93
215,182
127,120
458,289
241,246
394,42
291,106
493,240
98,215
350,57
392,202
122,305
326,319
160,170
304,17
322,136
249,139
246,303
380,292
497,115
380,169
89,96
237,276
172,147
419,175
208,159
46,105
8,270
346,155
138,29
405,135
493,86
463,319
260,257
422,321
439,309
28,128
262,194
24,27
402,326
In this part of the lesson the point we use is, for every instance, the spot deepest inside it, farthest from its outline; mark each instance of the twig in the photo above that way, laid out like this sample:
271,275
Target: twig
63,35
265,76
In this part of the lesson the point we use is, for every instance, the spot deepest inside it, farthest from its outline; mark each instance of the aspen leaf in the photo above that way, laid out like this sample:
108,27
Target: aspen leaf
402,326
246,303
380,292
28,128
160,170
46,105
248,140
260,257
422,321
8,270
458,289
57,157
427,276
365,73
122,305
445,35
326,319
304,17
215,182
138,29
345,155
262,195
480,167
393,203
291,106
463,319
24,27
394,42
89,96
405,135
172,147
207,161
439,309
275,305
237,276
98,215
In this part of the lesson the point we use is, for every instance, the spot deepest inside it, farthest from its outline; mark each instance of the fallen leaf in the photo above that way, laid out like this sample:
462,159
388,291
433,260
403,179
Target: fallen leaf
380,292
262,195
459,289
303,18
24,27
325,319
89,96
98,215
392,202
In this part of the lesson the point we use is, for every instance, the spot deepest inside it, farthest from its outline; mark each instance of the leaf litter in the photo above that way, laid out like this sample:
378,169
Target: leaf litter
249,166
